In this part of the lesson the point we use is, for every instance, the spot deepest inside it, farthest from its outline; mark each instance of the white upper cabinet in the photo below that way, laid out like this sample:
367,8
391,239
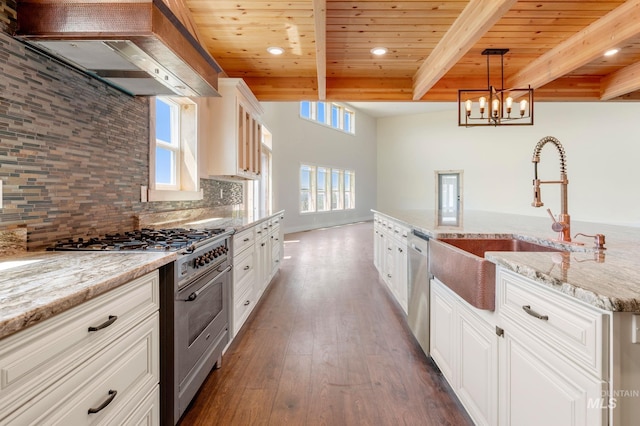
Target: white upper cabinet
231,136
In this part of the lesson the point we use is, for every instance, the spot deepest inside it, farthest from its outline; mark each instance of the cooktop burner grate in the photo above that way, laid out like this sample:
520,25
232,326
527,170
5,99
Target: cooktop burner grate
171,239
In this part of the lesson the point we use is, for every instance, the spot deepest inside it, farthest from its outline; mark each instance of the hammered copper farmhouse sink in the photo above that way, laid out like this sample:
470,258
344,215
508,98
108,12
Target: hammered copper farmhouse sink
459,263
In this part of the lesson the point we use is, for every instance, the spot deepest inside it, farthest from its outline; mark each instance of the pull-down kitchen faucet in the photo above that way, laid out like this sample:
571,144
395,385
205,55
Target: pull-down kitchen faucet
563,224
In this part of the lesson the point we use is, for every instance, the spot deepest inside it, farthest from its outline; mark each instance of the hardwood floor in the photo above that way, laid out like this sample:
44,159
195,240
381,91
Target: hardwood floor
327,345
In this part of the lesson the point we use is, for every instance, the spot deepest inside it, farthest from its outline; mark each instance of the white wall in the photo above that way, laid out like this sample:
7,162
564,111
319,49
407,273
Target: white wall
601,140
297,141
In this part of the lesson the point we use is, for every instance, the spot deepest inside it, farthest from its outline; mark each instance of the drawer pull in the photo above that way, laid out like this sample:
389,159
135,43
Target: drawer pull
107,323
527,309
247,303
246,268
246,239
112,395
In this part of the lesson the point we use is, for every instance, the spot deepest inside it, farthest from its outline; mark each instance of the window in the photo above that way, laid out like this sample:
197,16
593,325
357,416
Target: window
328,113
325,189
349,189
322,203
173,165
259,192
167,144
336,185
307,189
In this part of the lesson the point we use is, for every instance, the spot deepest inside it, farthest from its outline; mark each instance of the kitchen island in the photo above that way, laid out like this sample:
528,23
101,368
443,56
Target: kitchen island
610,282
561,347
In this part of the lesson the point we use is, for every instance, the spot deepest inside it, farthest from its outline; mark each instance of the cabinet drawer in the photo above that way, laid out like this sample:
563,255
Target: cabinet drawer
243,305
261,230
33,359
243,240
569,327
243,265
129,367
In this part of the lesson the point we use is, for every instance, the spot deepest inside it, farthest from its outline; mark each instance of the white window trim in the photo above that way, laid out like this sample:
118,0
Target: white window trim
187,169
313,110
329,192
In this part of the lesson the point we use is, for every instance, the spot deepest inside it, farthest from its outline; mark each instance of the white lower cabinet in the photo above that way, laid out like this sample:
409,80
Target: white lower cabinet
97,363
442,333
257,252
464,345
538,387
542,358
477,366
553,357
391,257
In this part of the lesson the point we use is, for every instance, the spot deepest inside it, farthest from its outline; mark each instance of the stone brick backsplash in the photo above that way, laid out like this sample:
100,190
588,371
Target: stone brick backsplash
74,152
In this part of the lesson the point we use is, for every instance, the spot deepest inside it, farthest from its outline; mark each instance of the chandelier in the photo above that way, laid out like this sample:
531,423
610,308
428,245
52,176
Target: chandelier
493,106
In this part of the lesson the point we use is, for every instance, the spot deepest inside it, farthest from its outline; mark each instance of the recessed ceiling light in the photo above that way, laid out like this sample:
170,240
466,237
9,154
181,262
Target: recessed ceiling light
274,50
378,51
611,52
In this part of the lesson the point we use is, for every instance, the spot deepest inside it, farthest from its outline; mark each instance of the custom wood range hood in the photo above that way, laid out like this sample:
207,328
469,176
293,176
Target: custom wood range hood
143,47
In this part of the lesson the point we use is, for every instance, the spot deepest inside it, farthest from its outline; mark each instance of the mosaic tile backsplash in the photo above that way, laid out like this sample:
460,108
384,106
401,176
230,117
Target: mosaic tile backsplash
74,152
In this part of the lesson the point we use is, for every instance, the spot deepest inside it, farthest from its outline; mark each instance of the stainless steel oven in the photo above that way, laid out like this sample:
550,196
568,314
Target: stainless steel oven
194,304
202,319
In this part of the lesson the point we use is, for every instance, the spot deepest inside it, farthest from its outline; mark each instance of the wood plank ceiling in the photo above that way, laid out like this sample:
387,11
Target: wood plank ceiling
434,47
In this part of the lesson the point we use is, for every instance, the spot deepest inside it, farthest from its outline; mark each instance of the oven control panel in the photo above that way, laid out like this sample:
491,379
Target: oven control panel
199,259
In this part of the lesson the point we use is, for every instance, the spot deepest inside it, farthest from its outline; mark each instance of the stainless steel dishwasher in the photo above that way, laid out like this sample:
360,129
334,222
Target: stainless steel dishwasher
418,306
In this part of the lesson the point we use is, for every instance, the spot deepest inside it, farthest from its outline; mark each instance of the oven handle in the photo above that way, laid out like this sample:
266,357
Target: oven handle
193,296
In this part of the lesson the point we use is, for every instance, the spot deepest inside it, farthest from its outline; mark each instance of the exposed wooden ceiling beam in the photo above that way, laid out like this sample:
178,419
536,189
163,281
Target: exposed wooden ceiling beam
621,82
613,29
474,21
320,19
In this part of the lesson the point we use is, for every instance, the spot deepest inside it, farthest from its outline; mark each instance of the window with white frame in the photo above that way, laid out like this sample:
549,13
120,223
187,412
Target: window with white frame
324,189
173,171
307,189
330,114
260,192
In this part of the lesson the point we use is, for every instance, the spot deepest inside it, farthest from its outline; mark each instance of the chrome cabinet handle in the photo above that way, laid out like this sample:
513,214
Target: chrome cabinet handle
527,309
112,395
107,323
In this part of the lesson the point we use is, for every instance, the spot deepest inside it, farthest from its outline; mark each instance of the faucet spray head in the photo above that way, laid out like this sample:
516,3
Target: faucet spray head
537,199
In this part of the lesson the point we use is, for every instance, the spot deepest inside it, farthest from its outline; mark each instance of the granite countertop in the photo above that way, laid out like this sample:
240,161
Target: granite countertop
239,223
204,218
608,280
39,285
35,286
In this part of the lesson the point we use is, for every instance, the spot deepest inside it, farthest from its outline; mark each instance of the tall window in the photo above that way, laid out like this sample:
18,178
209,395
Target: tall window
326,189
167,144
259,192
307,189
322,203
330,114
173,150
336,186
349,189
